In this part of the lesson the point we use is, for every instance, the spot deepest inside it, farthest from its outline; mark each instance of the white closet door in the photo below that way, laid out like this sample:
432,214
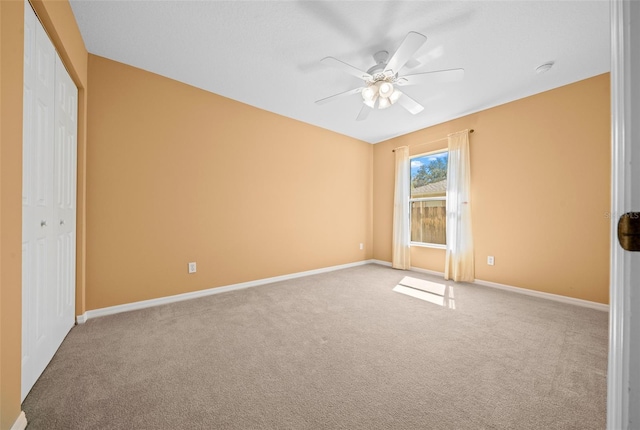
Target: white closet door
37,193
48,202
64,202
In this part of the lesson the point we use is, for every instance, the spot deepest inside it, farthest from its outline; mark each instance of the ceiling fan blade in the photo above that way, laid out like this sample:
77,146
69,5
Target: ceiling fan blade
411,43
364,113
348,68
410,104
437,77
412,63
336,96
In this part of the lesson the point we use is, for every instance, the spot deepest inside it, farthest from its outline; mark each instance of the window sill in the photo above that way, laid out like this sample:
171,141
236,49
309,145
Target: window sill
428,245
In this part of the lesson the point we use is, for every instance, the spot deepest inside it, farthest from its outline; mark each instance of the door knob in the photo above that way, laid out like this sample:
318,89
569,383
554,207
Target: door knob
629,231
43,223
61,222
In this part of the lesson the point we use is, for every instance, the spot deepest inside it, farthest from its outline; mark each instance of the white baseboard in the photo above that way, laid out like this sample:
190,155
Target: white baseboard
543,295
81,319
380,262
429,272
21,422
525,291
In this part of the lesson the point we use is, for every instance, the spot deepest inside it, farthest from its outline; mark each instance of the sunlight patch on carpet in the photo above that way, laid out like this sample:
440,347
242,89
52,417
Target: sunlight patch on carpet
432,292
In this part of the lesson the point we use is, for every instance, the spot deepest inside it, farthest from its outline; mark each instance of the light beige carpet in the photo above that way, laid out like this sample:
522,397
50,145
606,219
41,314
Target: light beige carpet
334,351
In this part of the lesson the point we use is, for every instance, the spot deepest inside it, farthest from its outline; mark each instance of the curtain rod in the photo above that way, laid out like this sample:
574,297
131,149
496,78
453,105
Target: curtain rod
433,141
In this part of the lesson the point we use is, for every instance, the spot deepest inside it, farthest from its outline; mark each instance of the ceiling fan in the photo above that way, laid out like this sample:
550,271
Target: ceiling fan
381,81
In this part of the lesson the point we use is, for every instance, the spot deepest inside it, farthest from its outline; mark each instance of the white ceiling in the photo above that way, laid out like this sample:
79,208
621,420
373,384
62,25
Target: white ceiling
267,53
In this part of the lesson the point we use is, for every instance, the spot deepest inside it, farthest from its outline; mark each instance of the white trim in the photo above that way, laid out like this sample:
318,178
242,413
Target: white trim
435,151
519,290
618,362
429,272
428,245
380,262
21,422
543,295
208,292
528,292
428,199
81,319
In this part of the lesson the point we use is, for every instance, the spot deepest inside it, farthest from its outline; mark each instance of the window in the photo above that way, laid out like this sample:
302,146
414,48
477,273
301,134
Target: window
428,199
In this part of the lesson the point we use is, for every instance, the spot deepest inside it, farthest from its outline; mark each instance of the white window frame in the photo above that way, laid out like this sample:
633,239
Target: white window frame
421,199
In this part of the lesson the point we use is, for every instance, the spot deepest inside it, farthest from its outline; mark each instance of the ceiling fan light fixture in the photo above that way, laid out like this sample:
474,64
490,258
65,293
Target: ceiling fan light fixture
385,89
394,96
369,93
371,103
384,103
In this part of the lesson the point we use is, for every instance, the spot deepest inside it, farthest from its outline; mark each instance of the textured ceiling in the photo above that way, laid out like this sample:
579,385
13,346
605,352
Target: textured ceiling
267,53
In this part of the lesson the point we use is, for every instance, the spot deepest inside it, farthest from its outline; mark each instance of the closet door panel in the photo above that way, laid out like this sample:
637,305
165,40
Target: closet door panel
37,194
64,198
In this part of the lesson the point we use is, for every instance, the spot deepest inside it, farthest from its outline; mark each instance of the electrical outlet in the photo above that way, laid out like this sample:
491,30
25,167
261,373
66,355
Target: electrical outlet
491,260
192,267
361,246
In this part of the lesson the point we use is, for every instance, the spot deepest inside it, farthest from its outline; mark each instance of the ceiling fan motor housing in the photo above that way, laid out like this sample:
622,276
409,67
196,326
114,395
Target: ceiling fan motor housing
381,58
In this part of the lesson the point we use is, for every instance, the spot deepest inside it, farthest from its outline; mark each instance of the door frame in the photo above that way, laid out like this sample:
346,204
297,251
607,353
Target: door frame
620,378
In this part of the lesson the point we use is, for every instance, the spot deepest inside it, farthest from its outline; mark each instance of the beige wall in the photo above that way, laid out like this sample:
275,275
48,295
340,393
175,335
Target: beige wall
540,175
11,52
177,174
59,22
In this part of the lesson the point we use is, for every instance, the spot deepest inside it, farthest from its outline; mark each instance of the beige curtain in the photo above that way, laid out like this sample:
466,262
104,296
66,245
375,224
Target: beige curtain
459,264
401,258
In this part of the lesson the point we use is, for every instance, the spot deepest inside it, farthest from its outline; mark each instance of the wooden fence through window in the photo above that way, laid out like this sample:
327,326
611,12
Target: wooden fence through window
428,222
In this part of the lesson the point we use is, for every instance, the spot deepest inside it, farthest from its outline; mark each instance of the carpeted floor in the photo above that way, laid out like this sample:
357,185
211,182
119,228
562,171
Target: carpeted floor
339,350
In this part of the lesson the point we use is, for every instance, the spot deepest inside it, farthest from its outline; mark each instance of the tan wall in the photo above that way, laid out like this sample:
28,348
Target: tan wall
177,174
540,175
61,26
11,51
